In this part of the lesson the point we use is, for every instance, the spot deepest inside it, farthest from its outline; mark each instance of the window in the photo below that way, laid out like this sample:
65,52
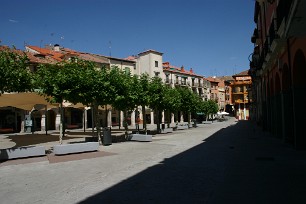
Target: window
156,74
156,63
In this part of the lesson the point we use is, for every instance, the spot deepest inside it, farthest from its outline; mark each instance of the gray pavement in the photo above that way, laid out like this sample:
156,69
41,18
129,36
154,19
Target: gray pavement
223,162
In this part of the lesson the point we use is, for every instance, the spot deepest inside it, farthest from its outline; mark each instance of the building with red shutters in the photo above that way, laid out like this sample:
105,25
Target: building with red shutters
278,69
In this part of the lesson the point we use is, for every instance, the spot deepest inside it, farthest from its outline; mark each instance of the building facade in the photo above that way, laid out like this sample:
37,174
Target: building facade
240,95
278,68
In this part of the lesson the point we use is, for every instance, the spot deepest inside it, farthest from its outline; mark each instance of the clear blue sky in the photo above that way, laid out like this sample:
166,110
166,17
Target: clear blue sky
211,36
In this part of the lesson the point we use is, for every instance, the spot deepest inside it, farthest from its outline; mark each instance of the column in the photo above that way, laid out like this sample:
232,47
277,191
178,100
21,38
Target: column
85,118
133,119
163,117
109,118
121,119
172,118
43,121
23,113
152,117
182,118
140,114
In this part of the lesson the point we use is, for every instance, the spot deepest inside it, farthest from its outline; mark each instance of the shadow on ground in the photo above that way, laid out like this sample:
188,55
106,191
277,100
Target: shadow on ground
238,164
34,139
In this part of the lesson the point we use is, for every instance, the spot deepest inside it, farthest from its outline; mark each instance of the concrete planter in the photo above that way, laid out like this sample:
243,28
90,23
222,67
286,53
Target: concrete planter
75,148
182,127
166,130
22,152
140,137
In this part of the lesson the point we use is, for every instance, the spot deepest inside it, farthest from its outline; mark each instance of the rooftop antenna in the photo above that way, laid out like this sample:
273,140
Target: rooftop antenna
110,48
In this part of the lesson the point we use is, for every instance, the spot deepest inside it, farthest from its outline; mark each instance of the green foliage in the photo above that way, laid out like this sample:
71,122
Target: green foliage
208,107
14,76
124,90
157,94
143,90
189,100
172,99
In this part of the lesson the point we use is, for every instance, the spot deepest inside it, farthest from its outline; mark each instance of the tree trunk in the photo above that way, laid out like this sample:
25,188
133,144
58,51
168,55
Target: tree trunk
144,122
125,123
158,121
97,120
61,124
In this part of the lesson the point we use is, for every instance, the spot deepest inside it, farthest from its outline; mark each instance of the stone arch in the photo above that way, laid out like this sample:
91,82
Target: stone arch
287,105
286,78
277,107
277,84
299,90
51,117
299,69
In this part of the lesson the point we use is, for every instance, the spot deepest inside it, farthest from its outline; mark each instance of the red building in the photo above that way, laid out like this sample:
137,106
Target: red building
278,68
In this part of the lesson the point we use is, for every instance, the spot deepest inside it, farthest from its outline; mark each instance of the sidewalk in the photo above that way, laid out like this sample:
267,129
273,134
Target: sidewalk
223,162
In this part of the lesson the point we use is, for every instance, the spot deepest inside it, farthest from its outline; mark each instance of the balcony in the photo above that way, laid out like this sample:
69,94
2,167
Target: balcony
194,84
183,83
168,81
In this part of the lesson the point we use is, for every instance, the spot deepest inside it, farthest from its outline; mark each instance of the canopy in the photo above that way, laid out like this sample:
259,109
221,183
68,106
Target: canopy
25,101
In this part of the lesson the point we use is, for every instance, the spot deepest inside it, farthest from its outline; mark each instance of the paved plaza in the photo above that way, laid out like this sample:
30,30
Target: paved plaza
223,162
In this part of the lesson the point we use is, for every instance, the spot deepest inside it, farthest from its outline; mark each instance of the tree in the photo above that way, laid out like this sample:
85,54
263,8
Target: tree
173,101
75,81
208,107
143,98
14,75
157,94
124,92
190,101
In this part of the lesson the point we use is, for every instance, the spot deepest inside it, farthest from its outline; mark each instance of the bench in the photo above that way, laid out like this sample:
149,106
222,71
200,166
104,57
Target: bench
182,127
22,152
166,130
75,148
140,137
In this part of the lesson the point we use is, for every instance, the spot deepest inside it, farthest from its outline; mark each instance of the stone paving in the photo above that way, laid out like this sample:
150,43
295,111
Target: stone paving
223,162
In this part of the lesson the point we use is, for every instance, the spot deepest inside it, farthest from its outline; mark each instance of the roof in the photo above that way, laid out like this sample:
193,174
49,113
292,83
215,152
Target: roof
213,79
179,70
150,51
57,55
33,57
226,78
243,73
64,53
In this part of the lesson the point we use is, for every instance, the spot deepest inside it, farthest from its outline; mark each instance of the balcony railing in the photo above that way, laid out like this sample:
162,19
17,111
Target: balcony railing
168,81
183,83
194,84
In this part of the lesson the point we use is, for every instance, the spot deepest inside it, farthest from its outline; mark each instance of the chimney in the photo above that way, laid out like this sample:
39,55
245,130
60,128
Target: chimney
191,71
182,69
56,48
166,64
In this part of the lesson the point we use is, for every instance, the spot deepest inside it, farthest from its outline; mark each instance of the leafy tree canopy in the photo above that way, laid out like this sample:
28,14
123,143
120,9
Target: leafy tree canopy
14,75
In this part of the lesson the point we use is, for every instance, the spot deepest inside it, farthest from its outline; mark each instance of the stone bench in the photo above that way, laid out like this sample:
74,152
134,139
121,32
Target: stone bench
75,148
22,152
166,130
140,137
182,127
